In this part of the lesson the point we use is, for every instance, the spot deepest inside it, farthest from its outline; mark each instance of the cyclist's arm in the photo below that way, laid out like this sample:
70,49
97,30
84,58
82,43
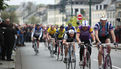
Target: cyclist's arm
92,35
65,38
96,35
40,34
113,35
32,33
77,37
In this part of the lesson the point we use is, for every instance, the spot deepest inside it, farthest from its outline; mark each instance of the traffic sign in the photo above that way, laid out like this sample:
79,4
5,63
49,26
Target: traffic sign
80,17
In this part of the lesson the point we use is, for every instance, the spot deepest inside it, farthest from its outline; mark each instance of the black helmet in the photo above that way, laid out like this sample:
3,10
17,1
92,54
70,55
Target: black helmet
69,24
37,25
62,26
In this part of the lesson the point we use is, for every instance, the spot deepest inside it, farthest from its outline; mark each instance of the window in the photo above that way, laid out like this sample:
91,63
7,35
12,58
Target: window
105,6
119,14
77,2
100,7
97,7
119,5
76,10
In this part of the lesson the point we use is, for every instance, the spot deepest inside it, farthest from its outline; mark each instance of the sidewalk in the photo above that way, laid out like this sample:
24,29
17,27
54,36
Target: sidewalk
8,65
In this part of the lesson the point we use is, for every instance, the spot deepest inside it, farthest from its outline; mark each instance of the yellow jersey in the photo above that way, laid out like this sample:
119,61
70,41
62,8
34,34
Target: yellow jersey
51,32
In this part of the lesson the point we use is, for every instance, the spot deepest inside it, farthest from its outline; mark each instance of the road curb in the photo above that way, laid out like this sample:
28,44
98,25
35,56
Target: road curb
18,64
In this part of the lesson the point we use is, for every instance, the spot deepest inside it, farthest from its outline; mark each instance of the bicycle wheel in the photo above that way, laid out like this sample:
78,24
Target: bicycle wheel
84,62
68,65
58,53
35,48
62,52
73,65
88,61
51,50
108,62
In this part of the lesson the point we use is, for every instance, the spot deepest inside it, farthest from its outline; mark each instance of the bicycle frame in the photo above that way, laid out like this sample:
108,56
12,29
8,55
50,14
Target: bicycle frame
35,46
106,57
60,49
69,57
86,57
51,47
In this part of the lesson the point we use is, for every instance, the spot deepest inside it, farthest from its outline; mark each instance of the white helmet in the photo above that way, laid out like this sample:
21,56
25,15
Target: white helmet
71,31
85,23
103,18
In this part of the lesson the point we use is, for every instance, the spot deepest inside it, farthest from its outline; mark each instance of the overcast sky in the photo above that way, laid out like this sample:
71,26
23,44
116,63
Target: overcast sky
18,2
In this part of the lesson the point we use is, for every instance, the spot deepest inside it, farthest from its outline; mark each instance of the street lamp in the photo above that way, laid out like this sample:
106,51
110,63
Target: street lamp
90,3
71,8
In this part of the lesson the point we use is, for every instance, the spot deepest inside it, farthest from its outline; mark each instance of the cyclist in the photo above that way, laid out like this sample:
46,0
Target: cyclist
59,35
69,27
51,34
70,36
103,30
84,34
36,33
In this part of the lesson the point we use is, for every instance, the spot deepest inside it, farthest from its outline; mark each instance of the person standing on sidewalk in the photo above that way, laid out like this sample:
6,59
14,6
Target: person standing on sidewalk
1,39
9,39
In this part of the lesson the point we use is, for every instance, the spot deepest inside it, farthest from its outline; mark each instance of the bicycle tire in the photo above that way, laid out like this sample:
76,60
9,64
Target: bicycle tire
62,53
88,61
58,53
108,62
84,62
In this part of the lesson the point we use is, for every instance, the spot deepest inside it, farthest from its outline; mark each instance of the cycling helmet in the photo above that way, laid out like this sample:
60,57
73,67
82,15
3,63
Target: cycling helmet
61,26
37,25
69,24
103,18
71,31
85,23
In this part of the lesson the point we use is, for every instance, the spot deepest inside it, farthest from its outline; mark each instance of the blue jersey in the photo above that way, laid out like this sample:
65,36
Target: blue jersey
67,28
103,30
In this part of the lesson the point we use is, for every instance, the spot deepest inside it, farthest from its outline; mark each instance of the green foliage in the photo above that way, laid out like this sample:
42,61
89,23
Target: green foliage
12,15
33,20
3,5
74,20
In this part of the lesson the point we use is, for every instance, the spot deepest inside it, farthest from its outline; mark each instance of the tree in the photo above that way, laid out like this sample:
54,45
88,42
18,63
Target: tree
74,21
3,5
33,20
12,15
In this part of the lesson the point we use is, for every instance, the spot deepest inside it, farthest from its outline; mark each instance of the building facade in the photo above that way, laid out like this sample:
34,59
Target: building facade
54,16
118,12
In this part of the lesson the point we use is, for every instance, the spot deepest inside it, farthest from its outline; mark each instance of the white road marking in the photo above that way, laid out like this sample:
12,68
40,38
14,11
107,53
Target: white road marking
112,65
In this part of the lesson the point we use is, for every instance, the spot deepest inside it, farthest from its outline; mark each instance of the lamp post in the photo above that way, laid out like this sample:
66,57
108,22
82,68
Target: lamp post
71,8
55,12
90,3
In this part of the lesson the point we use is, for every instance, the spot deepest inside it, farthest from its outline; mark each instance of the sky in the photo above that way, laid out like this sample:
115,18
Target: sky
18,2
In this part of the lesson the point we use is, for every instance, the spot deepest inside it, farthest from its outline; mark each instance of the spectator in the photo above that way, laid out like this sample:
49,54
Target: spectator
9,38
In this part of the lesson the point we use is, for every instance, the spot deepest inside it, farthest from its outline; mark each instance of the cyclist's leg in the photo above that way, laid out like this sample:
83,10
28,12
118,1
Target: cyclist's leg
37,43
66,51
90,50
74,49
108,47
81,53
100,56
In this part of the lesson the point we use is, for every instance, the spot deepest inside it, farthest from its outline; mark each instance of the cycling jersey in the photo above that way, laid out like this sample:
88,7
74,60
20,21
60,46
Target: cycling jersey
51,32
68,38
85,35
60,34
67,28
103,30
37,32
